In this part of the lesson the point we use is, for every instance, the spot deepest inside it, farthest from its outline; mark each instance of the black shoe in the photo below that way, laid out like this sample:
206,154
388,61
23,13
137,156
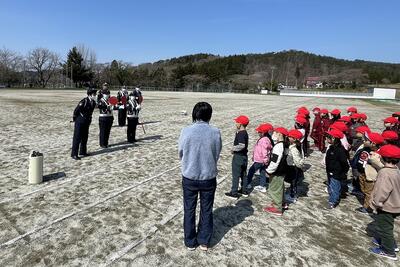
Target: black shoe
229,194
84,155
76,157
243,192
103,146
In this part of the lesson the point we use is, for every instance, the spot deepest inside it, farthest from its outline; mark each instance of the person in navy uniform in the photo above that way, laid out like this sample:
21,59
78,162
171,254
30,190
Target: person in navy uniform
106,117
83,117
138,95
132,107
122,94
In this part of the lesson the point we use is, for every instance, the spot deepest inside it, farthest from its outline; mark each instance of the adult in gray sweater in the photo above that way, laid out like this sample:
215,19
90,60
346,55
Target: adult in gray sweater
199,149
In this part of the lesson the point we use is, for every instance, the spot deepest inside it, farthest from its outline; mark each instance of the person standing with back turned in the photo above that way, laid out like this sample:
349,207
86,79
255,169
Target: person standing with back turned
199,148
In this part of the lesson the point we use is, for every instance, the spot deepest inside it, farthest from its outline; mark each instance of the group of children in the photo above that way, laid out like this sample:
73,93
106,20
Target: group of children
346,143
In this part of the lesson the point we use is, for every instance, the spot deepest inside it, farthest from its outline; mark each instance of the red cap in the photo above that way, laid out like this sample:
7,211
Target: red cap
390,135
302,115
389,151
355,116
339,125
324,111
391,120
316,109
296,134
363,129
375,138
335,133
264,128
303,110
396,114
345,119
335,112
300,120
363,116
352,109
281,130
244,120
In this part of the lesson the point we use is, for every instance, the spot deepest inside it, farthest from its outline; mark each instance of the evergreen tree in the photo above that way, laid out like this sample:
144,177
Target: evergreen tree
80,73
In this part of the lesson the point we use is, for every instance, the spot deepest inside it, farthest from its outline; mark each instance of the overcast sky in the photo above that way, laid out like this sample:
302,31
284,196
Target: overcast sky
147,31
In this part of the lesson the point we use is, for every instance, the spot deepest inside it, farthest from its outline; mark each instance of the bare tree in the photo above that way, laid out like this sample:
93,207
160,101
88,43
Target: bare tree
44,62
89,56
10,65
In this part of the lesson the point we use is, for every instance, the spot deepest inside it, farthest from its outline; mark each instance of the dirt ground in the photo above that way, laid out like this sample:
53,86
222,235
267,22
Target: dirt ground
122,206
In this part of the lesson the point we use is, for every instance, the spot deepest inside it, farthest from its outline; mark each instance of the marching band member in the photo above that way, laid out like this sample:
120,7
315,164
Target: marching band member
122,96
83,117
132,108
105,117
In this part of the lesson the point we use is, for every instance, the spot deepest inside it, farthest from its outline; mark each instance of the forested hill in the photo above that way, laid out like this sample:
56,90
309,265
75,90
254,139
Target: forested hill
241,72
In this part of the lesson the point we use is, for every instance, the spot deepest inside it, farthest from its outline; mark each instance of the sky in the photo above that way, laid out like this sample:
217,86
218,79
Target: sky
147,31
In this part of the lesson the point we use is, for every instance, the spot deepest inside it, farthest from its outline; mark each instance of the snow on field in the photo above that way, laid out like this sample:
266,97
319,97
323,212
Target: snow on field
123,205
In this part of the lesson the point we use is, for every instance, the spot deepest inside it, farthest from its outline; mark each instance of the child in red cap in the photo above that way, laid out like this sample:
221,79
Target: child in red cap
261,156
300,124
391,138
276,171
295,162
325,124
316,132
390,124
307,128
335,115
386,201
362,161
336,166
239,160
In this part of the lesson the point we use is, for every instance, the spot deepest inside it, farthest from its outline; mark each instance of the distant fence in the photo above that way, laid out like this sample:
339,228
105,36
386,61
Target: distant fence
194,89
376,93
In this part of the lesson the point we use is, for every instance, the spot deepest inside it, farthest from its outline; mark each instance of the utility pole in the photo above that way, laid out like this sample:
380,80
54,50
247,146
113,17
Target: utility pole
272,75
24,76
66,74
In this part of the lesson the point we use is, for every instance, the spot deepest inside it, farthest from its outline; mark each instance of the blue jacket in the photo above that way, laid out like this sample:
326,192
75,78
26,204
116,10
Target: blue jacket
199,148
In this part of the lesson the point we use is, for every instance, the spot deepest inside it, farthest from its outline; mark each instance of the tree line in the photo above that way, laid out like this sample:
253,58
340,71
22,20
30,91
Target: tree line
44,68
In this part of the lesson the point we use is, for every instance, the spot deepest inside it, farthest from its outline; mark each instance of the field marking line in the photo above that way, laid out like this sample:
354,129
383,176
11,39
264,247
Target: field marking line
153,230
14,195
113,195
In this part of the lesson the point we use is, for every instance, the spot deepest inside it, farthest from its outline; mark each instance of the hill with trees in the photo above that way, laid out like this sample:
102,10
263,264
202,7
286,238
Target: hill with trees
239,73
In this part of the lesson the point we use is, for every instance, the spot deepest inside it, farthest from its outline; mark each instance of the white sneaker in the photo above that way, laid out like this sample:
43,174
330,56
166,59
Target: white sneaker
260,188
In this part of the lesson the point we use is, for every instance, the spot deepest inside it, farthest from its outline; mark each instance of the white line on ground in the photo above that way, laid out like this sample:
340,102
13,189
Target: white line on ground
113,195
153,230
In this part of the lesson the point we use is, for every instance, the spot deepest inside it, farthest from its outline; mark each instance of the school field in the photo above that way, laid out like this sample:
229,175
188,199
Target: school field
122,206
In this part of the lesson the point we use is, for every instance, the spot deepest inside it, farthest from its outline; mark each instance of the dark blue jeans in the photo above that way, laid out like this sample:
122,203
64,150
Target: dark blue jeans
334,189
191,190
263,174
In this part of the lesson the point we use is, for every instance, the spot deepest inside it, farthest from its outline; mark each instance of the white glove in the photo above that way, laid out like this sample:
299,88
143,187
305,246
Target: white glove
138,107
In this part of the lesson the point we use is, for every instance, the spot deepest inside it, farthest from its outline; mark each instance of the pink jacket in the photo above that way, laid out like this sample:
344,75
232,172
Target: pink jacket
262,150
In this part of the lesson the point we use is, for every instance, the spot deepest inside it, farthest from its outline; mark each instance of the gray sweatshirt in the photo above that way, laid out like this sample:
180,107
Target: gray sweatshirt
199,148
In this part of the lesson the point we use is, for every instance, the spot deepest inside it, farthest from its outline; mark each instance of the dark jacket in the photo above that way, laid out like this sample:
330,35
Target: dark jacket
84,109
336,162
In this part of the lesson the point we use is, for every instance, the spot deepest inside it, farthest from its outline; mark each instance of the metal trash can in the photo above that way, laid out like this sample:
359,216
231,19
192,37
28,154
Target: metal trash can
35,167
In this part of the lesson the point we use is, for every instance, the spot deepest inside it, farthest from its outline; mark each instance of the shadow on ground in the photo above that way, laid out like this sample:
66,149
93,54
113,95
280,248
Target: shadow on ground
53,176
225,218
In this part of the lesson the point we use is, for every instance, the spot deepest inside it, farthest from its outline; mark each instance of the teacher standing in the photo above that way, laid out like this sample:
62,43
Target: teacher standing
199,149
